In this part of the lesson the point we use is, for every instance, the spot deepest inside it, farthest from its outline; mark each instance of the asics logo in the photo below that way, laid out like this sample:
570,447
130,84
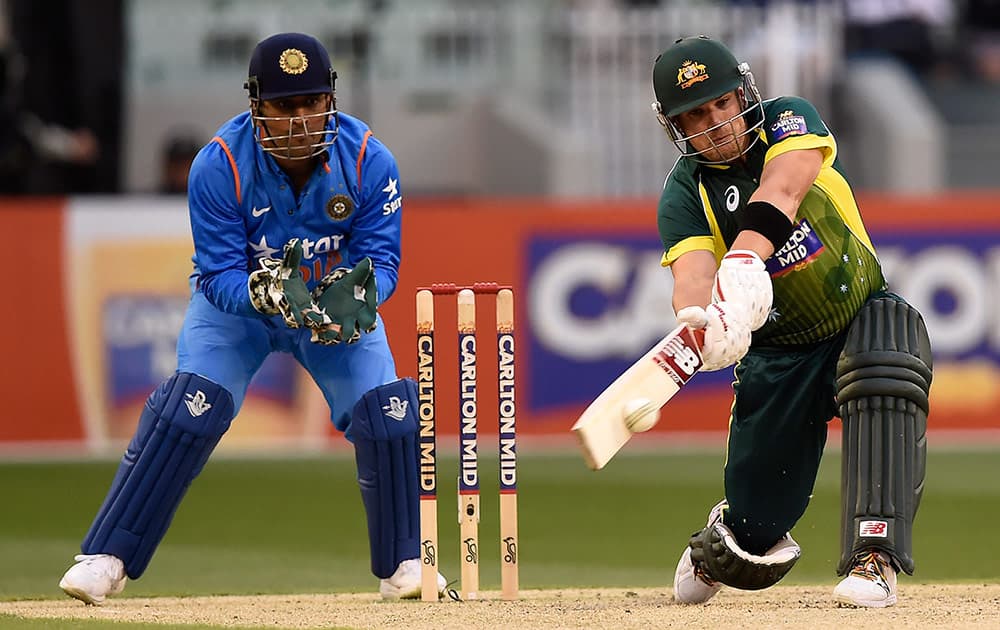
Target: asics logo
196,403
732,198
256,213
396,409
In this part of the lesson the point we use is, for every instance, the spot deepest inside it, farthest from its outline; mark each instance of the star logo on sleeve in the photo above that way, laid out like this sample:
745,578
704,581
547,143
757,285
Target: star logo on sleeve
391,188
262,249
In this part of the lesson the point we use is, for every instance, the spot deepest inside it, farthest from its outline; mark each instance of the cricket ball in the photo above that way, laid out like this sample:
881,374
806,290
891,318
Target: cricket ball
641,415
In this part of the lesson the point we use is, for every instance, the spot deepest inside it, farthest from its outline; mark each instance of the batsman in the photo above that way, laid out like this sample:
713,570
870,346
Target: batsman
771,258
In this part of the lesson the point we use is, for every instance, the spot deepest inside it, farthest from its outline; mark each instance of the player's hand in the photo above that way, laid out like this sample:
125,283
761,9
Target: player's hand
743,279
727,332
348,299
278,287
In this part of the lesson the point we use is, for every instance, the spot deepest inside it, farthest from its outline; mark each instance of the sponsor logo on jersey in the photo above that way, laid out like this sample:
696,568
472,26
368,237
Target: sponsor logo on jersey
261,249
339,207
788,124
392,188
801,248
395,200
690,73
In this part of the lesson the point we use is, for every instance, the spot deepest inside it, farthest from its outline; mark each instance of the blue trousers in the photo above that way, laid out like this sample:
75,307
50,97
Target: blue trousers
229,349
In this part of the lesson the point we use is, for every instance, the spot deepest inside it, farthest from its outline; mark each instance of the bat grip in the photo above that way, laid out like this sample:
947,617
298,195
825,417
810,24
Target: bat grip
699,336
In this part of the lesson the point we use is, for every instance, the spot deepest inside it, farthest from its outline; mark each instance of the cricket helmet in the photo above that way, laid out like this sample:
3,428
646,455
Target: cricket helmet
694,71
286,65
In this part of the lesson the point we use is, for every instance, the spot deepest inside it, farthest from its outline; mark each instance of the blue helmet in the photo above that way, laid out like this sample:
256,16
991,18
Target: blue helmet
285,65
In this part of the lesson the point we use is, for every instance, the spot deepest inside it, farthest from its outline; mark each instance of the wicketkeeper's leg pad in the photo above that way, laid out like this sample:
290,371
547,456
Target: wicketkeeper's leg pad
883,382
182,422
714,548
384,430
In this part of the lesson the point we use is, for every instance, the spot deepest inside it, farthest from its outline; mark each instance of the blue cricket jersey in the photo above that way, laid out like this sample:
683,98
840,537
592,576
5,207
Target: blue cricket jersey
243,207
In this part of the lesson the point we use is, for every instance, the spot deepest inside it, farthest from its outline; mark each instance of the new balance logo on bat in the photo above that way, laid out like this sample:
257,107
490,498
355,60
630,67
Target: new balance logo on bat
678,359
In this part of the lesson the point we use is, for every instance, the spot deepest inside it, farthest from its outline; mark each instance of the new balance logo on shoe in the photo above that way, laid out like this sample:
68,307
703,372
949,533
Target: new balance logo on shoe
396,409
196,403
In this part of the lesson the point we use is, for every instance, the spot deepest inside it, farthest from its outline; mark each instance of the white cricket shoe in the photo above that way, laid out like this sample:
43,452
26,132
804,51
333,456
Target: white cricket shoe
94,577
405,582
871,582
691,584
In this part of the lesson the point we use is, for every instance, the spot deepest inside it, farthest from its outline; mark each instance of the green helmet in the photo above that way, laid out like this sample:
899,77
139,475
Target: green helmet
694,71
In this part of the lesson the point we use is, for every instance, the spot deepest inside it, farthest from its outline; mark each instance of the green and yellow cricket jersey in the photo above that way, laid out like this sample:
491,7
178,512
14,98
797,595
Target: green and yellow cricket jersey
826,269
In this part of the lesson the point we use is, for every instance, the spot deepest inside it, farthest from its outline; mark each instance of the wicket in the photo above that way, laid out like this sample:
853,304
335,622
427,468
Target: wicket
468,478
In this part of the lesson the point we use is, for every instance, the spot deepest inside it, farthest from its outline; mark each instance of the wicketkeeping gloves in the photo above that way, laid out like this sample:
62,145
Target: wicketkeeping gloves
727,332
278,287
349,300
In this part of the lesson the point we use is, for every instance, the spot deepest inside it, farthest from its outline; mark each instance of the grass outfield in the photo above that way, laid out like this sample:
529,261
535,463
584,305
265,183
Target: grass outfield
297,526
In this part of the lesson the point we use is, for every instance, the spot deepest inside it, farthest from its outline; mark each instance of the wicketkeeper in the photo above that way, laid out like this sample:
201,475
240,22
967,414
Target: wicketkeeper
295,216
770,256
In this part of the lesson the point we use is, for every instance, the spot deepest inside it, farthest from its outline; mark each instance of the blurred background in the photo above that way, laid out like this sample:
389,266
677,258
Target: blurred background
529,156
544,97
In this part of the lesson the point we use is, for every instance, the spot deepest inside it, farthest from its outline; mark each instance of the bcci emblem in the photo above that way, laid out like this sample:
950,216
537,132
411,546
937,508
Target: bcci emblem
293,61
691,72
339,207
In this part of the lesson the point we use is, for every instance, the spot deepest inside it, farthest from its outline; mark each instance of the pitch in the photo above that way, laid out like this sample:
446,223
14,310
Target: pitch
922,606
280,543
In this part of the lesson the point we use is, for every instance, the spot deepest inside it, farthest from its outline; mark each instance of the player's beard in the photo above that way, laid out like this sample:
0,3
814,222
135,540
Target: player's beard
724,145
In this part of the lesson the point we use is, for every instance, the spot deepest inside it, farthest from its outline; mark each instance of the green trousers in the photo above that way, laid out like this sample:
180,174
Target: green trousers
784,398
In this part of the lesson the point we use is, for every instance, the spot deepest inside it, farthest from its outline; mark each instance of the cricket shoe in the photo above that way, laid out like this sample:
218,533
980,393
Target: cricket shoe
871,582
692,585
405,582
94,578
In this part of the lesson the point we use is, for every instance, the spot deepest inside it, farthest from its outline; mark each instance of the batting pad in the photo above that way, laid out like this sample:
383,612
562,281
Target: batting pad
883,381
384,430
183,420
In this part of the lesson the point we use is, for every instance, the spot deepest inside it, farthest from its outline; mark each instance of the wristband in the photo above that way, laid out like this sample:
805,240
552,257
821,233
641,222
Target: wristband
768,221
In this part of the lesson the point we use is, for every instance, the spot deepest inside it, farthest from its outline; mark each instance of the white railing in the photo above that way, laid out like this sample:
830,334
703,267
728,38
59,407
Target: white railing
793,49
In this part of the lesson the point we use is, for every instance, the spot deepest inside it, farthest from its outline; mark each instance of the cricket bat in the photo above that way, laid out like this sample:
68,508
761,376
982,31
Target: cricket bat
642,389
